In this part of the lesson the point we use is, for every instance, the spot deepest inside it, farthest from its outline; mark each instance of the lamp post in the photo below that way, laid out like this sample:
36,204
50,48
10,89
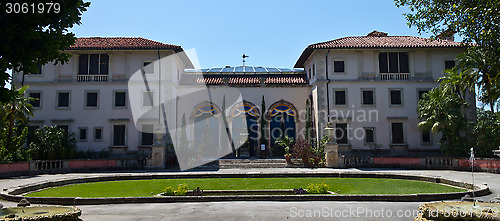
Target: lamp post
331,148
472,158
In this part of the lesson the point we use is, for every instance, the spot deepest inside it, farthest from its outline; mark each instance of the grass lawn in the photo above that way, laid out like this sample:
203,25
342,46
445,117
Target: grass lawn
144,188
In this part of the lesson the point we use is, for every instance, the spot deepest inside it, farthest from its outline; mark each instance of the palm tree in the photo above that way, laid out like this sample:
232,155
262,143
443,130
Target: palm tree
18,109
286,142
457,82
442,111
483,68
461,84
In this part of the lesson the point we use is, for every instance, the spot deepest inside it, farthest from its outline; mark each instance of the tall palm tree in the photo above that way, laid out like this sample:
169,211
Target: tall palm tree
457,82
442,111
19,108
483,68
463,85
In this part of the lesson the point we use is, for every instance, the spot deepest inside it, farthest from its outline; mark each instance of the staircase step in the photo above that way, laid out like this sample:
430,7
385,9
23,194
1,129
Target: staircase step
252,163
240,161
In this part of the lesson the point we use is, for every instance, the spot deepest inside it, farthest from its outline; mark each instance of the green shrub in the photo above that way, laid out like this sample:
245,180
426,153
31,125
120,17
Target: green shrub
53,143
169,191
180,191
320,188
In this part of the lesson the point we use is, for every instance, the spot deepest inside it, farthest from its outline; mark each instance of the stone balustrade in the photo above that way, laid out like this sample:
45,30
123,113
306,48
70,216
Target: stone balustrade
92,78
48,166
396,76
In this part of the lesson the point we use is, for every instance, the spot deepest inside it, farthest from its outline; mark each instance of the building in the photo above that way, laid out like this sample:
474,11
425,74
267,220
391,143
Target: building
367,86
88,96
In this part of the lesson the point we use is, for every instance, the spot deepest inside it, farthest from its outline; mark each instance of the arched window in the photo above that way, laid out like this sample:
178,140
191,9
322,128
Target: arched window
282,122
206,109
282,108
207,128
245,109
245,128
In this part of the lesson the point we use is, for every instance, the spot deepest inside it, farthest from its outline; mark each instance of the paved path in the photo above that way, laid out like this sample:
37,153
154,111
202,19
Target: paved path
240,210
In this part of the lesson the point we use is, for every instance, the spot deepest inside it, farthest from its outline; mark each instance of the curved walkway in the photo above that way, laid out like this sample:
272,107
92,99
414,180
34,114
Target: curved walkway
324,210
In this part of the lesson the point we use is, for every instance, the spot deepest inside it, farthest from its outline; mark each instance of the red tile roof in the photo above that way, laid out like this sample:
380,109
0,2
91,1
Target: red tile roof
285,79
376,40
385,42
120,43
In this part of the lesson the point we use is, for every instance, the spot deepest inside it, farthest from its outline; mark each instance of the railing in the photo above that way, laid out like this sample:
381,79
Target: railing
395,76
91,78
49,165
134,162
439,162
357,161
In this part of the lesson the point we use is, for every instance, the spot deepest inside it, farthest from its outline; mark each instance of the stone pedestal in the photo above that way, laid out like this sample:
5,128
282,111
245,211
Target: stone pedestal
331,148
158,151
332,155
158,157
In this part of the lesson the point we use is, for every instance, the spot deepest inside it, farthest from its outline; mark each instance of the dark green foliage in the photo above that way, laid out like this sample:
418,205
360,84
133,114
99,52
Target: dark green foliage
53,143
13,127
17,152
318,149
308,134
263,122
442,112
476,21
487,133
286,142
480,67
31,39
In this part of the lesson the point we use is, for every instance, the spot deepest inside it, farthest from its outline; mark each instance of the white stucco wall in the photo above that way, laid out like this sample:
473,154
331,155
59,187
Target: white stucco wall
77,115
365,62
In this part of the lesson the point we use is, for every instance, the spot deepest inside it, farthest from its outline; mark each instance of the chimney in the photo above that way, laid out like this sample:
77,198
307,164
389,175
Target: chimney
376,33
448,35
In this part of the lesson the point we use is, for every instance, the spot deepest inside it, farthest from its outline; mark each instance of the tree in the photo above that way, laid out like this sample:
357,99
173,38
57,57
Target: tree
482,68
53,143
309,123
263,122
476,21
17,151
442,112
31,39
15,114
286,142
487,133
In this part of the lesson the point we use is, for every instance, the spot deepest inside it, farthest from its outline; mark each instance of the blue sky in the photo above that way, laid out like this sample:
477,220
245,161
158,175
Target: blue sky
272,33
